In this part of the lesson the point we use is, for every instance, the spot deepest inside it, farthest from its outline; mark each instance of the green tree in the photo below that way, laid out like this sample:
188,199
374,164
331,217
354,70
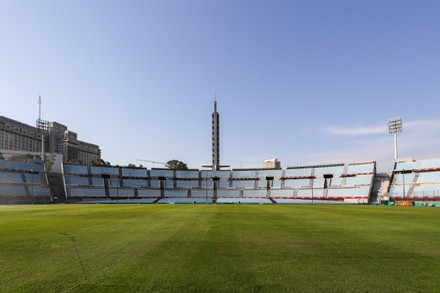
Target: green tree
101,162
176,165
134,166
1,156
25,157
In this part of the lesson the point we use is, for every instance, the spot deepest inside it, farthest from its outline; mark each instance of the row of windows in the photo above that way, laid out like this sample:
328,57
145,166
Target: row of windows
16,129
20,143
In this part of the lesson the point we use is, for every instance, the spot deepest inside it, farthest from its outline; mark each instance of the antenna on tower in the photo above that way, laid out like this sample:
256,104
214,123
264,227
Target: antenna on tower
39,103
42,126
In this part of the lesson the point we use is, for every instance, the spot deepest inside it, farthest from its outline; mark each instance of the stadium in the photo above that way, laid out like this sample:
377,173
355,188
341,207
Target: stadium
305,85
312,228
411,182
227,231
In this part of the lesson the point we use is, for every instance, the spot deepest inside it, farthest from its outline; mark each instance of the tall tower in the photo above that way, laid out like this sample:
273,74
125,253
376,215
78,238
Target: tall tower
215,165
215,138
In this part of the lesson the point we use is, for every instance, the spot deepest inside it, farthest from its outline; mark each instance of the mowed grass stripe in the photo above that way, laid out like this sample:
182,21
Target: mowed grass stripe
219,248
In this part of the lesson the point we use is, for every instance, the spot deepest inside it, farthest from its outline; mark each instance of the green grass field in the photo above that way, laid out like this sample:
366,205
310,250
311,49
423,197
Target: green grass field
219,248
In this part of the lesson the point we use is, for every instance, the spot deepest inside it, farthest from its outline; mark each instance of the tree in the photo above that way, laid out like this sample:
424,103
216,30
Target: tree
134,166
49,160
25,158
101,163
1,156
176,165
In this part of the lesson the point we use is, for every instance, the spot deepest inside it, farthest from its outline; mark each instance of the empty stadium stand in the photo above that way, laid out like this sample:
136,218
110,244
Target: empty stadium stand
23,182
337,183
417,181
332,183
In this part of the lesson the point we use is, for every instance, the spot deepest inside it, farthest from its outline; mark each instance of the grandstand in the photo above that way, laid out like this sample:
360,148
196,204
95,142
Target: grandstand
23,182
417,182
340,183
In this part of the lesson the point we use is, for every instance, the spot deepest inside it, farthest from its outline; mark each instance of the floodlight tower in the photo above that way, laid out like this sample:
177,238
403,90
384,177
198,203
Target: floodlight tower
395,127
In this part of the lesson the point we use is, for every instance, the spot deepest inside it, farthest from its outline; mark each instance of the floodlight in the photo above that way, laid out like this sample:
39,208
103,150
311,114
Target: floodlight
395,127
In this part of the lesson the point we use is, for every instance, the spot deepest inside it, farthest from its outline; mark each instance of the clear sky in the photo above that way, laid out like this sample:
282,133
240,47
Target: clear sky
307,82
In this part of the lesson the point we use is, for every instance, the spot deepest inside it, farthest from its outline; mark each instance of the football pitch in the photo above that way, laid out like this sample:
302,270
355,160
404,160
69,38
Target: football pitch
219,248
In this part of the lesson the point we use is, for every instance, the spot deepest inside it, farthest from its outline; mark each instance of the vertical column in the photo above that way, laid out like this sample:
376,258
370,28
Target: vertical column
215,139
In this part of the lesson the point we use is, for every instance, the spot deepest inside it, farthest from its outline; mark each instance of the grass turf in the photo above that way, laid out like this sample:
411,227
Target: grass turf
219,248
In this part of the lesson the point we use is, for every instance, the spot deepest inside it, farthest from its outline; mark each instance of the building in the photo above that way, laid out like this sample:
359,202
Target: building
63,141
17,136
272,164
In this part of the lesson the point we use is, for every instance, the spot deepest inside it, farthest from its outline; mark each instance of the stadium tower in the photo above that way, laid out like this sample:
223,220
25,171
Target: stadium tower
215,138
215,164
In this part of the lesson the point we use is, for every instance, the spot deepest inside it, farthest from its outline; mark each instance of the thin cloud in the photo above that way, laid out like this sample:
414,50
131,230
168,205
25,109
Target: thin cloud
352,131
421,125
424,125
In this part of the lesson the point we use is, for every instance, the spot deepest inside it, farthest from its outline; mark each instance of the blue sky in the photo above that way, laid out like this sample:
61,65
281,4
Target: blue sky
307,82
